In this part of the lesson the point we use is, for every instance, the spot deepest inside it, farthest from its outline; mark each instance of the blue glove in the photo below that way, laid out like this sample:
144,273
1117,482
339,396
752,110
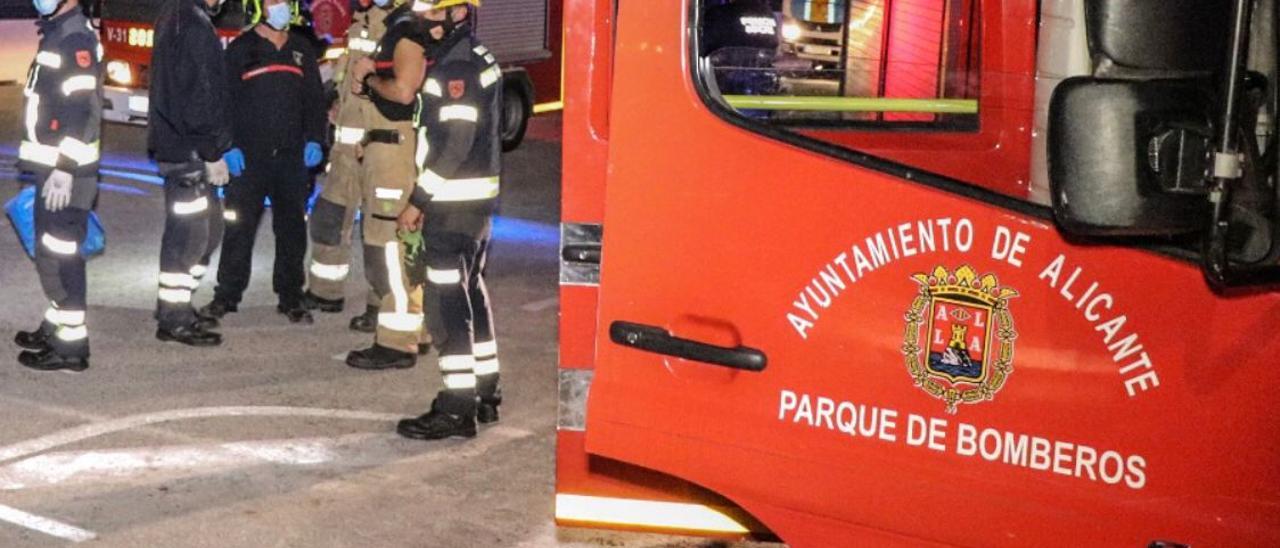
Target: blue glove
312,155
235,162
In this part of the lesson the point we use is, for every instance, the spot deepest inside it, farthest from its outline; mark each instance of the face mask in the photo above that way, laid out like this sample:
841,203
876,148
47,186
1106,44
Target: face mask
448,25
278,16
46,7
212,10
381,3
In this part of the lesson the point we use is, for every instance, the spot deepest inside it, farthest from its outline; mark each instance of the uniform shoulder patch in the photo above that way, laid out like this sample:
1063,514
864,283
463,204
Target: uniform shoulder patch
457,88
83,58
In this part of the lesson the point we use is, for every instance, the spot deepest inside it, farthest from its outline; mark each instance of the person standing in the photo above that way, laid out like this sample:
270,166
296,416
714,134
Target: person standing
333,217
62,119
187,134
391,78
459,128
278,122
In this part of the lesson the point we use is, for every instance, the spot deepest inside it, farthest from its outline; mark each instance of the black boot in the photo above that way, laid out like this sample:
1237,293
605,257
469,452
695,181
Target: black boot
490,398
33,340
378,357
437,425
191,335
329,306
296,313
215,311
367,322
48,360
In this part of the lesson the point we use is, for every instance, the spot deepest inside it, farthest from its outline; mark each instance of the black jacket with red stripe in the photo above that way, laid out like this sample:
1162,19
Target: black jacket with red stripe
277,100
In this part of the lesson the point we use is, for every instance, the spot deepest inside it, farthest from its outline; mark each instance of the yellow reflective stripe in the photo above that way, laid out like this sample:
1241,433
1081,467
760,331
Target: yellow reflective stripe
68,333
480,50
49,59
79,83
190,208
456,364
424,147
362,45
444,277
348,135
487,366
457,190
175,296
44,155
64,317
388,193
489,76
643,513
460,381
178,280
79,151
61,247
466,113
490,59
331,272
395,278
484,349
432,87
402,322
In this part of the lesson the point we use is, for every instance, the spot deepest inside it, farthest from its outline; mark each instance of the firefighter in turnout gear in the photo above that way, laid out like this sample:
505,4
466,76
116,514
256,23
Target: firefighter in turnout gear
189,131
461,152
62,118
349,180
391,78
278,123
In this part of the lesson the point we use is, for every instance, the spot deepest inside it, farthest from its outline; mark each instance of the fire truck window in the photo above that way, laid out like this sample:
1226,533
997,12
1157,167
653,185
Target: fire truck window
864,64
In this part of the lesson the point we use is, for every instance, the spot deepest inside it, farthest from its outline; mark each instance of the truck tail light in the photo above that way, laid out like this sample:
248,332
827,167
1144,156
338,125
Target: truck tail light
120,73
618,512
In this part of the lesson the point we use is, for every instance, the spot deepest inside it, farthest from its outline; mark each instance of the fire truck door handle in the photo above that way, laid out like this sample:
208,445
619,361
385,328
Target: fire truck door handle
659,341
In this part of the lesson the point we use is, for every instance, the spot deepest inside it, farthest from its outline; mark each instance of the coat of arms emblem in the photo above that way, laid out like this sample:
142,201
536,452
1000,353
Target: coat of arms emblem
959,337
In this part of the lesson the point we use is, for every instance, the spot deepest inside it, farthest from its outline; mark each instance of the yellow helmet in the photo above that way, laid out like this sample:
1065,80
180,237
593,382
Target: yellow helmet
425,5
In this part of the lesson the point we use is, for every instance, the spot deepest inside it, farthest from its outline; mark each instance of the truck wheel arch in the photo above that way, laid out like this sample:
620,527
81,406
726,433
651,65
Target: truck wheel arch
517,106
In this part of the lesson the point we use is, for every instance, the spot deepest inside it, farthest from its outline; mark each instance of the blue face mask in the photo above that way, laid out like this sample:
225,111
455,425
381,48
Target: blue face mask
381,3
46,7
278,16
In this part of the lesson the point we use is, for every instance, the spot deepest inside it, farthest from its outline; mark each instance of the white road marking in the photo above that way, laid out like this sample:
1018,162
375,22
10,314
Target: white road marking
44,525
93,430
81,467
539,306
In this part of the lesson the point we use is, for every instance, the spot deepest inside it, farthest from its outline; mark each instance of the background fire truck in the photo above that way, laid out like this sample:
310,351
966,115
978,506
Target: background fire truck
795,313
524,35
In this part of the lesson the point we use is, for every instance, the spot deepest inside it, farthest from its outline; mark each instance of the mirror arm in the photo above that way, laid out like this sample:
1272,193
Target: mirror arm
1227,165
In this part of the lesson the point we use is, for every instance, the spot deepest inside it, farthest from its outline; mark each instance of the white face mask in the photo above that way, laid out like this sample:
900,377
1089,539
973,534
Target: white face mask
381,3
278,16
45,7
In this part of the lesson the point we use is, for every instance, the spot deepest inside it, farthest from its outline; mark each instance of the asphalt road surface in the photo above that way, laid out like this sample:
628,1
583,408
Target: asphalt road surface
271,440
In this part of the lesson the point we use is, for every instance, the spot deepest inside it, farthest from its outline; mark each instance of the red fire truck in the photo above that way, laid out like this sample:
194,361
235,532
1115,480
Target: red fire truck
853,320
525,36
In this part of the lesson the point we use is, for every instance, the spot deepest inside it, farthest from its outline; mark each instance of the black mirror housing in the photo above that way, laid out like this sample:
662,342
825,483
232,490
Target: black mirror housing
1105,142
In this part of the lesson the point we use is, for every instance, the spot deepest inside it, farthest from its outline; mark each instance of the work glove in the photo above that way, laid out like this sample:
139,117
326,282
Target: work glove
235,161
57,190
217,173
312,155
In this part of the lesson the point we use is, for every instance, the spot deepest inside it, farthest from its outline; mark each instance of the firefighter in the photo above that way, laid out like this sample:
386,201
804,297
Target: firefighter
348,181
188,134
459,130
278,122
63,99
391,78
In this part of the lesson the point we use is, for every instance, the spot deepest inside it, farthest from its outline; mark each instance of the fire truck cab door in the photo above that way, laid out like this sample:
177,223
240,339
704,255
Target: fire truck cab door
831,344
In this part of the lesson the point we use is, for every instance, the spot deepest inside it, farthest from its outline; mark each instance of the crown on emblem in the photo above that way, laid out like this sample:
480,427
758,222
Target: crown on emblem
965,282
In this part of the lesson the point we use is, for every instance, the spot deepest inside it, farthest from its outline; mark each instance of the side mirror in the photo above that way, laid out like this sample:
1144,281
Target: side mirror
1128,158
